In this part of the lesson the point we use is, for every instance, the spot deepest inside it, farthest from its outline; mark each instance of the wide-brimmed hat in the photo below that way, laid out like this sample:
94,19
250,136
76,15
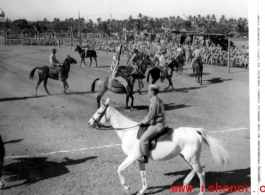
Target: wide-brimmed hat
135,50
153,87
54,50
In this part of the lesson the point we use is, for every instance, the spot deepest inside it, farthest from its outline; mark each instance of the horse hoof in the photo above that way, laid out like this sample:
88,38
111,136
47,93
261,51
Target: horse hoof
1,184
127,189
131,109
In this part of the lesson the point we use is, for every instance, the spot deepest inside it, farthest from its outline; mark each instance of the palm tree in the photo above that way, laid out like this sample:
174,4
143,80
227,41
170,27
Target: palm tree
38,27
99,21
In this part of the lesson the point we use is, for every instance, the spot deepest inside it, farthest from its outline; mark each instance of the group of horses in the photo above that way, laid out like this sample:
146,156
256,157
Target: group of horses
184,141
142,61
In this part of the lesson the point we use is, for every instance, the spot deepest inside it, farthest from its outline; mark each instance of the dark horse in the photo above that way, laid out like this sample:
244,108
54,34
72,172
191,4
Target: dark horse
143,61
90,54
180,62
167,72
2,155
44,74
197,68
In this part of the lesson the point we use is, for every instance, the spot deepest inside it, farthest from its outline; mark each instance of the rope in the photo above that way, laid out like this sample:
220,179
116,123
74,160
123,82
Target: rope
101,125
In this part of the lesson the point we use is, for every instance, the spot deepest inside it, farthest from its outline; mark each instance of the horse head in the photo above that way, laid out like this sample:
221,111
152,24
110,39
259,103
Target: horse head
77,47
68,60
71,60
100,116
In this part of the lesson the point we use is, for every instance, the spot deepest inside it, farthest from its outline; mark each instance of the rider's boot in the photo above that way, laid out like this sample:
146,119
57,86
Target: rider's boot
60,74
145,151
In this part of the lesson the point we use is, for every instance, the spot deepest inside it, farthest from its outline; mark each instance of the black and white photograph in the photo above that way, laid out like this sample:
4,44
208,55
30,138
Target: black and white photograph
110,97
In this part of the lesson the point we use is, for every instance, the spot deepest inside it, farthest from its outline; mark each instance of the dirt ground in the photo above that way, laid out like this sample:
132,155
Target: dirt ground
50,148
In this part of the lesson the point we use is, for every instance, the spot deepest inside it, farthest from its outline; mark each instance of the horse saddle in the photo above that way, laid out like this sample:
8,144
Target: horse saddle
116,84
54,70
167,131
124,71
164,72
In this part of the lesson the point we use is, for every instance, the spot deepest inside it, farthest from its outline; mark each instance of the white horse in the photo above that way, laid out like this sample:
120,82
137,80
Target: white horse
185,141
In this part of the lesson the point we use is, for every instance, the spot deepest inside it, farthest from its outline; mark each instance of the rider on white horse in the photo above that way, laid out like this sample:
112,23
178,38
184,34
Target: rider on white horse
156,119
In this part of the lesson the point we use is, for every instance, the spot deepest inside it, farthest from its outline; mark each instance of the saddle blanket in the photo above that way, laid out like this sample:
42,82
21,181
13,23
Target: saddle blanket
54,70
161,136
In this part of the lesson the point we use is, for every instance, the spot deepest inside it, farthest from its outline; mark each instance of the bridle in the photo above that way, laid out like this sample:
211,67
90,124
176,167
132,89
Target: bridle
99,125
97,121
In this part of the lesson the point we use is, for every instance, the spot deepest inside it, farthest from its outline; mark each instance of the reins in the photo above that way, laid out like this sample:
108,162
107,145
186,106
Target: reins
99,125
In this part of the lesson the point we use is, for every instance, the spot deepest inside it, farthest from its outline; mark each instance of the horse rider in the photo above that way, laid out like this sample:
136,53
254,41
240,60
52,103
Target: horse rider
113,71
188,54
180,52
86,47
162,59
156,119
196,55
55,64
136,69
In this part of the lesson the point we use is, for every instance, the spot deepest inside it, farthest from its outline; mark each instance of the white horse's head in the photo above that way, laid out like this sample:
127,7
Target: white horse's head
100,115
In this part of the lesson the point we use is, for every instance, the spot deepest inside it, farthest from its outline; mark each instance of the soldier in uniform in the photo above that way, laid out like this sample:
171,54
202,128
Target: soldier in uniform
156,119
56,66
197,55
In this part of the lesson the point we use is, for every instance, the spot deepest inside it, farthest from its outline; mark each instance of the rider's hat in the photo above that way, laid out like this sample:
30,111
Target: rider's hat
153,87
53,50
135,50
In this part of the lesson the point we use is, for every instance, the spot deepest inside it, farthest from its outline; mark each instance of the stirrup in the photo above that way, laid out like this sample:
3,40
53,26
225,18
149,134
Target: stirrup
144,159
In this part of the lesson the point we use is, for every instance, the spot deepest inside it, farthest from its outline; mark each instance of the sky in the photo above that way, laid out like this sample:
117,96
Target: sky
34,10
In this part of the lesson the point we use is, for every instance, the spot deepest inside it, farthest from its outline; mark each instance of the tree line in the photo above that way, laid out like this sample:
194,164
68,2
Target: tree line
208,24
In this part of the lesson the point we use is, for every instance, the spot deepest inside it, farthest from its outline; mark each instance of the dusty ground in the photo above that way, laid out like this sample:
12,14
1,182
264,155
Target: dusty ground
38,126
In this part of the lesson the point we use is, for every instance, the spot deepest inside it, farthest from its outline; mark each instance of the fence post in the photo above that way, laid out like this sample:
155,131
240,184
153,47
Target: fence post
21,38
228,58
64,40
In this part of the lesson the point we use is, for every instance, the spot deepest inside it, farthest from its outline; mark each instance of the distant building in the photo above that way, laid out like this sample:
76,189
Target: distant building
2,16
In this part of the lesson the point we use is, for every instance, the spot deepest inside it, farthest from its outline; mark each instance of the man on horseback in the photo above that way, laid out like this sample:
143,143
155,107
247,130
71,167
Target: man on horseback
156,119
136,64
86,47
196,56
56,65
113,71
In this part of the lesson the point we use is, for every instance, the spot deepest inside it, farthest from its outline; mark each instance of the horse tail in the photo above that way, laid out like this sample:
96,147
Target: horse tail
31,75
147,79
219,153
93,85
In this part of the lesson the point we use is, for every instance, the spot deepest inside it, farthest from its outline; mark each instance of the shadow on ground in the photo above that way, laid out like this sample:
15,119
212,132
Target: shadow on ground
13,141
32,170
40,96
171,106
240,177
216,80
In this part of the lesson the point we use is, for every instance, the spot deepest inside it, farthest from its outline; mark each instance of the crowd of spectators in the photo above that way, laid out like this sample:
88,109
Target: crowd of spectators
45,39
212,54
167,43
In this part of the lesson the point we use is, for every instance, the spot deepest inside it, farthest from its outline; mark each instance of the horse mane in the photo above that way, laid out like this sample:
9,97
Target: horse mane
120,115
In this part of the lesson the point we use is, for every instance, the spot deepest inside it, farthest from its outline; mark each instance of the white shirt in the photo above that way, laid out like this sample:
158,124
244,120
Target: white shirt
162,60
53,59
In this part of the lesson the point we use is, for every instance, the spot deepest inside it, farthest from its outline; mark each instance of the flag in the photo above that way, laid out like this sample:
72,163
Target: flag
113,69
114,66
